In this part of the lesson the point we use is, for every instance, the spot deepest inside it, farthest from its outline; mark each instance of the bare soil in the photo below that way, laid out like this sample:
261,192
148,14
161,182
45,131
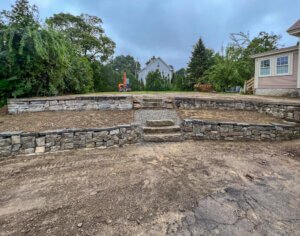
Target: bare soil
228,116
189,188
41,121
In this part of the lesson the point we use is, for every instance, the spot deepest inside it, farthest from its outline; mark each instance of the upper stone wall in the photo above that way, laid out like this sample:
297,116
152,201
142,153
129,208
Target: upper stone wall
16,106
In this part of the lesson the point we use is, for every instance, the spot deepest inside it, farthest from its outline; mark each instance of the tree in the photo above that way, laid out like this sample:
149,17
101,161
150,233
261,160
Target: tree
261,43
79,76
38,61
22,14
242,47
131,66
200,61
105,77
126,63
237,66
154,81
85,31
180,80
224,74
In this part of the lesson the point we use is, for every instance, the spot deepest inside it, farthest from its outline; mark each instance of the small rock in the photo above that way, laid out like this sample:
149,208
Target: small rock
79,225
93,193
108,221
181,209
250,177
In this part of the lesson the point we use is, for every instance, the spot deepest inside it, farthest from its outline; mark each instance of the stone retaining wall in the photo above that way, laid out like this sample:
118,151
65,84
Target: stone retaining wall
16,106
13,143
288,111
197,129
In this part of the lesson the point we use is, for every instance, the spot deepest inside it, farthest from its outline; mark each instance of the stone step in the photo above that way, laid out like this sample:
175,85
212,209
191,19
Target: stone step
172,137
152,100
160,123
159,130
153,104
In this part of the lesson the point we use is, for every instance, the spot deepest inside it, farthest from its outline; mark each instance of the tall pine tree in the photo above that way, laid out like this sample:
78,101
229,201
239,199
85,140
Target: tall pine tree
200,61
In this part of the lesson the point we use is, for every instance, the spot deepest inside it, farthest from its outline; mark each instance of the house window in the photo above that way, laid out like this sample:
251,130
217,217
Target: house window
265,67
282,66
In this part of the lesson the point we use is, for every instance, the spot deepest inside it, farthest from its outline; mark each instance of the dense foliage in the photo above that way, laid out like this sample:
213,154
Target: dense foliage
236,66
38,61
65,56
156,82
72,54
86,32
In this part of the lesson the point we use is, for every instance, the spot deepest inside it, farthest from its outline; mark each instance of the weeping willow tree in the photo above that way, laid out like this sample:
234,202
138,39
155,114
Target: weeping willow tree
37,61
34,61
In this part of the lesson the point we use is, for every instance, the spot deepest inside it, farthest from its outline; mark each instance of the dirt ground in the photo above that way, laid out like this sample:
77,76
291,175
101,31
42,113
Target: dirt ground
189,188
41,121
229,116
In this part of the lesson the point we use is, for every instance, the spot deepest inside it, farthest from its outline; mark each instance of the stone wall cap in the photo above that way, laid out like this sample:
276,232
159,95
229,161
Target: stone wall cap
135,124
243,124
68,98
285,125
240,100
61,131
10,133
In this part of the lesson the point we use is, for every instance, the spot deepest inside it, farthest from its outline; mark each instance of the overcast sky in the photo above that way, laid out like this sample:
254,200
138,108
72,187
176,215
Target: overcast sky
170,28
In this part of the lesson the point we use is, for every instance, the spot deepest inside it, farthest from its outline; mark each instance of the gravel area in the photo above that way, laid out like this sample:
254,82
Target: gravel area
141,116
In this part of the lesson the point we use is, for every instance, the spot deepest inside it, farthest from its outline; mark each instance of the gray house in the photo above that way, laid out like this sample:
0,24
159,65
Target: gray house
156,63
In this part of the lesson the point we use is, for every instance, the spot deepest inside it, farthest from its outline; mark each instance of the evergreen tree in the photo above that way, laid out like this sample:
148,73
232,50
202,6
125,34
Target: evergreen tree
154,81
200,61
180,80
142,84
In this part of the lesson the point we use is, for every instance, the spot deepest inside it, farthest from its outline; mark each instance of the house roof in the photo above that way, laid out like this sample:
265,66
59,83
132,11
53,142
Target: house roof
295,28
155,59
276,51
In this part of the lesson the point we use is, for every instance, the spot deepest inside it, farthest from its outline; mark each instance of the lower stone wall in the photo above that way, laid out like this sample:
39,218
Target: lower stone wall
197,129
16,106
13,143
288,111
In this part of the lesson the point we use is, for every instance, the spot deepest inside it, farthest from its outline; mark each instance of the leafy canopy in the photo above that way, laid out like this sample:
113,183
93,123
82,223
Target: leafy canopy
237,66
126,63
85,31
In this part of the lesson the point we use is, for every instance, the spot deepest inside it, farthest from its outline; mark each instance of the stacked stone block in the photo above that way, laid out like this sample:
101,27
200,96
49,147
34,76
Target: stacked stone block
14,143
197,129
83,103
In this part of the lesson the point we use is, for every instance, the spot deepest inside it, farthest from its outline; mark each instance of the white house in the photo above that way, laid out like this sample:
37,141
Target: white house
156,63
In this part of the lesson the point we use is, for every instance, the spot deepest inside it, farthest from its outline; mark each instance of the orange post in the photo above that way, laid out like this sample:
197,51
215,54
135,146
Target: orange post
124,79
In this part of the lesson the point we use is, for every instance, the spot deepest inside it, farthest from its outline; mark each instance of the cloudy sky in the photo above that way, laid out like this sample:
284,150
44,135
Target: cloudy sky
170,28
